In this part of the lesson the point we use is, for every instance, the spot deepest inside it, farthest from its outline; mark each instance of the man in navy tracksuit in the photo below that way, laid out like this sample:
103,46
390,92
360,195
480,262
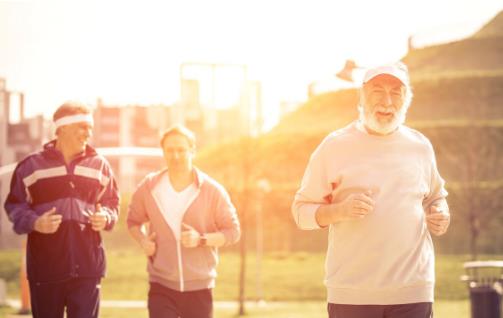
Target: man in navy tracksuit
63,197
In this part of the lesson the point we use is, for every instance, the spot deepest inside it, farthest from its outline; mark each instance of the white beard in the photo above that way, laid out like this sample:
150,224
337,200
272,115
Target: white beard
369,119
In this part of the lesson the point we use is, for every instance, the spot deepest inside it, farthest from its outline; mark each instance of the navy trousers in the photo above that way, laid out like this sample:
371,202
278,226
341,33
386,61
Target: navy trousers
414,310
164,302
80,297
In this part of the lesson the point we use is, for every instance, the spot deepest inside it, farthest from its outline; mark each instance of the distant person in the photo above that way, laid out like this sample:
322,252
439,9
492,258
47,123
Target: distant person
375,184
63,197
190,215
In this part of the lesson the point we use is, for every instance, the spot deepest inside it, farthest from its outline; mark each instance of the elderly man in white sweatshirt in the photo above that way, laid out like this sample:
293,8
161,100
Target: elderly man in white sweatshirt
376,185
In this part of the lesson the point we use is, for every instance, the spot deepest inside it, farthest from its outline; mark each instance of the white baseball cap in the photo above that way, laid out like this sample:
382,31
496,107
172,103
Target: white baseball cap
398,70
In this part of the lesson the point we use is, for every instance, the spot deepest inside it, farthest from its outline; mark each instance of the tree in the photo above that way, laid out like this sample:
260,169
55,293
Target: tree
470,157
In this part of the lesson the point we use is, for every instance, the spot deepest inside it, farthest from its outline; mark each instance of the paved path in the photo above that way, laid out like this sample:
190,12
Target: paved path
15,303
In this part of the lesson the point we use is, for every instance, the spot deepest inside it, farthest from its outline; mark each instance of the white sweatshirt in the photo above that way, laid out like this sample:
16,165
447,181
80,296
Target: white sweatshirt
386,257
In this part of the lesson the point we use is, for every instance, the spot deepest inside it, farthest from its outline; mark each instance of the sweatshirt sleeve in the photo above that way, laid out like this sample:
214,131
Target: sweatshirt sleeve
313,190
17,203
226,217
110,199
137,214
437,193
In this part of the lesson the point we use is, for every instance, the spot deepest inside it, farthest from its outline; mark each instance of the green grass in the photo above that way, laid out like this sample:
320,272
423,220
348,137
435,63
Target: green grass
285,276
9,270
294,279
297,276
447,309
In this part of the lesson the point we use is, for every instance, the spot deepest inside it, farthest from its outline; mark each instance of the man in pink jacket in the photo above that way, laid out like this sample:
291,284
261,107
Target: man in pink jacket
190,215
375,184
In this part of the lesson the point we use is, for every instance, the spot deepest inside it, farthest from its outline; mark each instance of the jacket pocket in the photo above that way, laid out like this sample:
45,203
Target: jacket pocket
197,263
164,263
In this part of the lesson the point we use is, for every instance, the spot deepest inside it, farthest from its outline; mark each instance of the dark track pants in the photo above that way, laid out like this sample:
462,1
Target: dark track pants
80,296
414,310
164,302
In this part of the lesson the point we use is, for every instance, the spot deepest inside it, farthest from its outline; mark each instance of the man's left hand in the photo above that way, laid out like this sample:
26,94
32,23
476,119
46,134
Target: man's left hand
438,220
98,219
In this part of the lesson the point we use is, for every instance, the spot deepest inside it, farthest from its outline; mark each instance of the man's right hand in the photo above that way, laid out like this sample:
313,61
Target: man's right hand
48,222
355,206
148,244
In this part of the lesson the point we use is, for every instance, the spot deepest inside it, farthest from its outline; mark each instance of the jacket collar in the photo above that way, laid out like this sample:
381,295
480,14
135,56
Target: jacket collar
155,177
51,151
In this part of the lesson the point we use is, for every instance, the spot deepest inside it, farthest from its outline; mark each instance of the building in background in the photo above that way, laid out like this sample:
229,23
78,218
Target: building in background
19,136
127,127
217,102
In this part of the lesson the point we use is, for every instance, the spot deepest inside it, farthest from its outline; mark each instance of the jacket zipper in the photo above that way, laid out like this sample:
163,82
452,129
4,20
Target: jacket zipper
180,267
178,243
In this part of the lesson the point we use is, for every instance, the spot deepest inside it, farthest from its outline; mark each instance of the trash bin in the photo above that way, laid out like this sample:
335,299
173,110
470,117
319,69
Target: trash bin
485,284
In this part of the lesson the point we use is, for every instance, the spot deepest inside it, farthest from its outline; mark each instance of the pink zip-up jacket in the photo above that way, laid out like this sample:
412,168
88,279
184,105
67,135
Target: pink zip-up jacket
210,210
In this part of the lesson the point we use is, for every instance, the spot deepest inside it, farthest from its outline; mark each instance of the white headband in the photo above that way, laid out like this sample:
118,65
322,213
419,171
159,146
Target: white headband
72,119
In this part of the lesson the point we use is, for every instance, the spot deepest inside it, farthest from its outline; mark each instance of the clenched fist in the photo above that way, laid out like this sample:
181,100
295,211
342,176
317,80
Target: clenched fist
190,237
48,222
438,219
98,219
148,244
355,206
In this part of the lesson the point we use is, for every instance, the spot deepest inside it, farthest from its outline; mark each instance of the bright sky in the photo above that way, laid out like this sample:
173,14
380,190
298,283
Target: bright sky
130,51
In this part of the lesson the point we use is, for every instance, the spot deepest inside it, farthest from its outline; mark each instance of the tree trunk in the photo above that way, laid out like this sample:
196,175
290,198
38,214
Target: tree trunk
474,231
244,198
242,260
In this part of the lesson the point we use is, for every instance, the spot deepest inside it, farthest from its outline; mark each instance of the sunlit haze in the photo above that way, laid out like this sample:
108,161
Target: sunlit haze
130,51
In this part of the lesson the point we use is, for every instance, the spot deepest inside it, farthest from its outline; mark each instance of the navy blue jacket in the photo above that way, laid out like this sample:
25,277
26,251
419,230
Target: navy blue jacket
42,181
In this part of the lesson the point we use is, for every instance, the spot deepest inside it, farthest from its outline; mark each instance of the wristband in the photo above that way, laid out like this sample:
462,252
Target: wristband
203,240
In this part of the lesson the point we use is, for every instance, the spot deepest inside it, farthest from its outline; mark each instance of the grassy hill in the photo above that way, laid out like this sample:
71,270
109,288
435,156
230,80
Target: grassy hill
492,29
481,52
322,113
